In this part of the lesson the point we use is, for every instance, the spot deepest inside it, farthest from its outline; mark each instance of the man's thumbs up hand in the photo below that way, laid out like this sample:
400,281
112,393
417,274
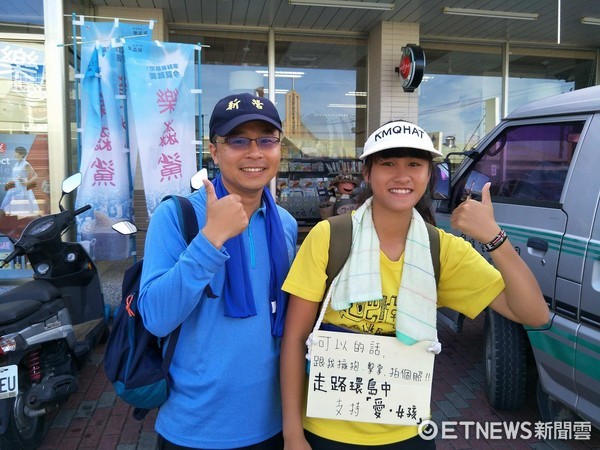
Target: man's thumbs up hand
225,217
211,195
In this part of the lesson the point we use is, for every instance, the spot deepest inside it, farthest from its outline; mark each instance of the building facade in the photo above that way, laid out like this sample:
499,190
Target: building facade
329,68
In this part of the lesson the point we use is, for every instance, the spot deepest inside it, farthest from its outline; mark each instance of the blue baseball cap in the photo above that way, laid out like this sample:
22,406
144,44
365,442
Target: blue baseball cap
234,110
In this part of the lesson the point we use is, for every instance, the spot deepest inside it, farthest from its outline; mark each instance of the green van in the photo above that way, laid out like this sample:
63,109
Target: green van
543,161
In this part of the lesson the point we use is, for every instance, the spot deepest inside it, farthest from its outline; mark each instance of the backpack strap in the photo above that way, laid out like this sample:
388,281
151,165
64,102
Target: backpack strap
187,217
339,247
188,223
434,248
189,227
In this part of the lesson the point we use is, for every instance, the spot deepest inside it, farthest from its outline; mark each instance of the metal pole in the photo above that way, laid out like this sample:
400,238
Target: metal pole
199,103
77,84
130,166
271,70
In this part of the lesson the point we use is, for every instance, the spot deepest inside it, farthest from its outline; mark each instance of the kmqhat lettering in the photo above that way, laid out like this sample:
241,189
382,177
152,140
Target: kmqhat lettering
399,134
234,110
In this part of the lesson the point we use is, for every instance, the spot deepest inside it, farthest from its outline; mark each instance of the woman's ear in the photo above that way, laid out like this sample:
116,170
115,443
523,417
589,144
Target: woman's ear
365,173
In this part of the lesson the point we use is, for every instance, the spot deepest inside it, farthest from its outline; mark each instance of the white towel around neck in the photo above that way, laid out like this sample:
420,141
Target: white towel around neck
360,278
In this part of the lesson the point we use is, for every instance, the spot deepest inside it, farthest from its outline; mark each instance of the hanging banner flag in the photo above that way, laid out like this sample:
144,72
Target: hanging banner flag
162,111
107,167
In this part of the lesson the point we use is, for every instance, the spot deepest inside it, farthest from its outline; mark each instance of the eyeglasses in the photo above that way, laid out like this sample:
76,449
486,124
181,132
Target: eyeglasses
242,143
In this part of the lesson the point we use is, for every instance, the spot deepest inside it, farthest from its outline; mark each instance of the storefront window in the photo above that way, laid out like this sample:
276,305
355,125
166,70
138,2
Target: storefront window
17,16
323,90
320,93
24,181
24,185
322,86
459,98
231,63
473,78
24,176
538,73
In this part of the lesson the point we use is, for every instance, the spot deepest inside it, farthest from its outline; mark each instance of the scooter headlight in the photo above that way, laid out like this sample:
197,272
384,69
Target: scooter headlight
10,343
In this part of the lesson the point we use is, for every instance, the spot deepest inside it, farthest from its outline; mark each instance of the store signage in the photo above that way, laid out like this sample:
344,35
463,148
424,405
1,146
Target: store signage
411,67
4,161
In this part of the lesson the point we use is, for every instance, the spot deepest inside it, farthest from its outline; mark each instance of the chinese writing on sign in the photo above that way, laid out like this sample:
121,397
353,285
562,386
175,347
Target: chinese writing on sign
167,99
103,169
104,172
170,166
164,71
369,378
25,67
170,163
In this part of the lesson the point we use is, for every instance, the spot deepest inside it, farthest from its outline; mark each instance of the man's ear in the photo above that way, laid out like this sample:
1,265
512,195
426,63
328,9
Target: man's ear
213,153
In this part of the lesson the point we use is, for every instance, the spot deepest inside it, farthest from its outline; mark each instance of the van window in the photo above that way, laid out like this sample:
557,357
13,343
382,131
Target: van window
529,163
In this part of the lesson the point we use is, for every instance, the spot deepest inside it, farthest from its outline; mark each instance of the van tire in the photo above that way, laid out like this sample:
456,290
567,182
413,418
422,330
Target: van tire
505,357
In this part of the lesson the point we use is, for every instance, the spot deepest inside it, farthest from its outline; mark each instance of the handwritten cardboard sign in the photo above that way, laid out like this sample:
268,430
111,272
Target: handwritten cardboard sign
369,378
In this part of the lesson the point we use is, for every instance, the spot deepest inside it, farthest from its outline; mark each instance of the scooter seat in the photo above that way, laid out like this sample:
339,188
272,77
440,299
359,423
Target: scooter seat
39,290
11,312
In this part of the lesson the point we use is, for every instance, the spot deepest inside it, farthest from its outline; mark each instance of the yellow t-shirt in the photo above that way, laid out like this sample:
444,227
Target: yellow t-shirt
467,283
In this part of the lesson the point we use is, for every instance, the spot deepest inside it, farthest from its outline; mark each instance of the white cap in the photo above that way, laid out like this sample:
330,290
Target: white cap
399,134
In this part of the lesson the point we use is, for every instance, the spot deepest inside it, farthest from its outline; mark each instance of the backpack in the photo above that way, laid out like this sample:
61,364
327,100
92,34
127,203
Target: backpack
339,248
134,361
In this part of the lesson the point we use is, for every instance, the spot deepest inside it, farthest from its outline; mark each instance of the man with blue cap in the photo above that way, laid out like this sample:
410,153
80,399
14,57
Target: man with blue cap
225,290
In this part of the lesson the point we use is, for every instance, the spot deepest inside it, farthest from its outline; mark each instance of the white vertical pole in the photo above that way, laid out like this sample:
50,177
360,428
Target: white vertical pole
597,80
558,24
271,70
56,95
505,75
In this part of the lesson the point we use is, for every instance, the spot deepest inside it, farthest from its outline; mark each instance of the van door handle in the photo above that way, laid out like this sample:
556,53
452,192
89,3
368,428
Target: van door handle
538,244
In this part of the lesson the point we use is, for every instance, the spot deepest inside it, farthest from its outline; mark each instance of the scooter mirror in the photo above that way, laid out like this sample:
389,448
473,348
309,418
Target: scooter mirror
197,178
71,183
124,227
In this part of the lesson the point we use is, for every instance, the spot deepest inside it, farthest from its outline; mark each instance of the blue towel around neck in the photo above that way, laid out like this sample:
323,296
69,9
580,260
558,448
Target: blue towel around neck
238,297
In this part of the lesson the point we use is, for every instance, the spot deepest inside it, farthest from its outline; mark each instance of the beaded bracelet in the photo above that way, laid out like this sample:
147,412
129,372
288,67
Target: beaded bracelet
496,242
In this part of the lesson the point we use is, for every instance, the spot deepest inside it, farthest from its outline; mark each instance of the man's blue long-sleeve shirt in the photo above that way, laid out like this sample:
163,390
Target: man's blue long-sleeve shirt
225,371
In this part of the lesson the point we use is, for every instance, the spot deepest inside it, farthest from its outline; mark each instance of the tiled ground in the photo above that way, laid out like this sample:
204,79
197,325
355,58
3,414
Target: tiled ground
95,419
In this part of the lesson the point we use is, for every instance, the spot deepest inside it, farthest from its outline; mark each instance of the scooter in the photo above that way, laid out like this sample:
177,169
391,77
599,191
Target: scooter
48,325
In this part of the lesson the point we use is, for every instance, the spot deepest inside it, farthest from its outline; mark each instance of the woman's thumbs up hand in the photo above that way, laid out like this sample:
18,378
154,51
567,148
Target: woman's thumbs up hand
476,218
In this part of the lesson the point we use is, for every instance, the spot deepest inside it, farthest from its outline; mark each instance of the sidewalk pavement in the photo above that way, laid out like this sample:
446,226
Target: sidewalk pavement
94,418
